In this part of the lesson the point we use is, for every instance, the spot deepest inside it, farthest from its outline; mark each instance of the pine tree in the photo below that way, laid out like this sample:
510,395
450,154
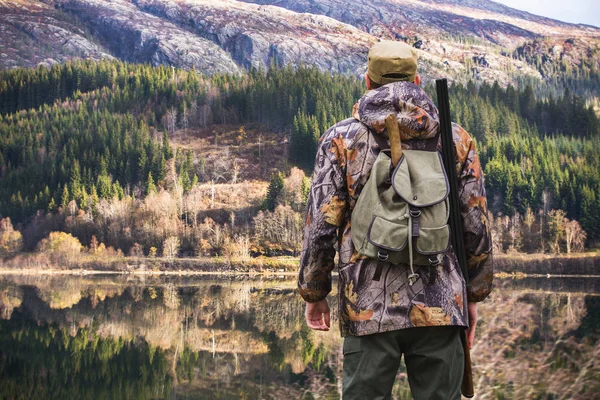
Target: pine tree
150,187
65,198
274,191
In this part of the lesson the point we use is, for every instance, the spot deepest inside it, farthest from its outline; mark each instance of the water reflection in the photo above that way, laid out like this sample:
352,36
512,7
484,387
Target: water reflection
244,338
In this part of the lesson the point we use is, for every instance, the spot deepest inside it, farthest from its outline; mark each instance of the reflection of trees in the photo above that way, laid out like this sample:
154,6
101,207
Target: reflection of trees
226,339
218,335
46,362
11,297
530,345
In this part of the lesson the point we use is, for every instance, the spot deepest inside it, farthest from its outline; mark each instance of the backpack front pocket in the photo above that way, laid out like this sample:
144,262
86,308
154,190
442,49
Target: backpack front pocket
388,235
433,240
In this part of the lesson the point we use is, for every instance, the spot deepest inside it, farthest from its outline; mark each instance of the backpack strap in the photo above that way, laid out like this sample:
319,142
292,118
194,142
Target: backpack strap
380,140
430,144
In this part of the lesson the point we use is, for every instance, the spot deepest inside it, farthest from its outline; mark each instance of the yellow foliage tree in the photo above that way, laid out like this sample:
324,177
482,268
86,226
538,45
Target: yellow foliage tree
11,241
61,247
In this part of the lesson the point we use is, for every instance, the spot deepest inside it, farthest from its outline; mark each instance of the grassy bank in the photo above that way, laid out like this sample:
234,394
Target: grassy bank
505,265
34,264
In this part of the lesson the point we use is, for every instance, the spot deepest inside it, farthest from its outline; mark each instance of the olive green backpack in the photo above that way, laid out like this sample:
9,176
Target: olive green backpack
401,215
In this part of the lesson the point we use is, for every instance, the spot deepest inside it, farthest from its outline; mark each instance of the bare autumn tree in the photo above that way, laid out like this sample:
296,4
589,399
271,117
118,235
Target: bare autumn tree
504,224
194,112
171,120
195,200
497,233
516,232
205,115
546,200
185,119
115,220
281,226
213,236
293,189
235,171
575,236
260,146
171,247
222,165
156,218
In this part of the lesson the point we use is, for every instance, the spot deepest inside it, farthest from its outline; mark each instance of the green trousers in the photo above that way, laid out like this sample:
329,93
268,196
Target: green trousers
433,357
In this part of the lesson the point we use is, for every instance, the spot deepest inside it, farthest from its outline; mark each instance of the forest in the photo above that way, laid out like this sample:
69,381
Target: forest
102,154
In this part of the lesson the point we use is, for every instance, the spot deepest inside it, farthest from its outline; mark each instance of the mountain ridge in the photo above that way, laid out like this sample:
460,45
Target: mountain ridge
456,39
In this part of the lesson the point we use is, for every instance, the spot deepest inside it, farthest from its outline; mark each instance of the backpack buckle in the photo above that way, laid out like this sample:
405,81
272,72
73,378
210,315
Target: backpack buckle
415,212
382,256
435,261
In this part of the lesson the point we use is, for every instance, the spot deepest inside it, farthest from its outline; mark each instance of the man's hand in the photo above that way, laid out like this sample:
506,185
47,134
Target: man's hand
317,315
472,307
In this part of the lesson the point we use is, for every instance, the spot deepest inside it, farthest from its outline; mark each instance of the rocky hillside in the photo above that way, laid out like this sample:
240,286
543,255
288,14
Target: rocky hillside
34,33
459,39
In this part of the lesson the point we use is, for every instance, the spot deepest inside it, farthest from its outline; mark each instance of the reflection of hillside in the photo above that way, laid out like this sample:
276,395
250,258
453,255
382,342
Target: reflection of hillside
11,297
41,362
224,341
249,329
523,338
230,338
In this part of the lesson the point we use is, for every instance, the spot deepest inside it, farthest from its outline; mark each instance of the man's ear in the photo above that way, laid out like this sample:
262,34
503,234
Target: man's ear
418,80
367,81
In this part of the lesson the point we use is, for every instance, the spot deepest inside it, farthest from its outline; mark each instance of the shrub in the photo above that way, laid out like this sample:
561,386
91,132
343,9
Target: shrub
61,247
11,241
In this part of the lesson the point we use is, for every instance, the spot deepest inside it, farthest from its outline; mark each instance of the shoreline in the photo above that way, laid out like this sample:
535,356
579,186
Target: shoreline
84,272
515,266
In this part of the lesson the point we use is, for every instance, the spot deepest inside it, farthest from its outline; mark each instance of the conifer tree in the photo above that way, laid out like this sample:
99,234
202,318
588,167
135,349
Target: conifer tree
150,187
274,191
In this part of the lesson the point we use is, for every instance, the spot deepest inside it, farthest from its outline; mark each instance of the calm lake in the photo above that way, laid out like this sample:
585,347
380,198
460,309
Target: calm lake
242,337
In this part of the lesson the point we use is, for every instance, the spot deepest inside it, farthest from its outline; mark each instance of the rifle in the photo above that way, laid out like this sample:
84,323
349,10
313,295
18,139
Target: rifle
456,223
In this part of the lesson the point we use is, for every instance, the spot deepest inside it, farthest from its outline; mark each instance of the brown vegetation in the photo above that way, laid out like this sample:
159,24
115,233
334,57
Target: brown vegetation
548,231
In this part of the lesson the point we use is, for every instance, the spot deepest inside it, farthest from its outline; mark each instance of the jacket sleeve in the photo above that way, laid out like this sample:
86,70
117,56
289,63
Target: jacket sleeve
473,208
325,211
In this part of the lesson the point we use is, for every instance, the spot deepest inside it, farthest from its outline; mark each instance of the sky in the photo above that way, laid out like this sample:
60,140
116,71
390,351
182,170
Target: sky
576,11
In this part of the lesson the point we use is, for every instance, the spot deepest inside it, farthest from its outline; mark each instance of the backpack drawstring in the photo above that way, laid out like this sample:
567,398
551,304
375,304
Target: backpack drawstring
412,278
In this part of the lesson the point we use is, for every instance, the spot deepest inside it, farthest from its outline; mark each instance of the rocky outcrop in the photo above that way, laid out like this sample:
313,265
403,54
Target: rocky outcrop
254,35
34,33
136,36
411,18
549,54
480,19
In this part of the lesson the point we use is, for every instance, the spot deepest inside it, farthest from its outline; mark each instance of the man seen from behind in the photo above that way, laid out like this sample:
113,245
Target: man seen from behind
383,316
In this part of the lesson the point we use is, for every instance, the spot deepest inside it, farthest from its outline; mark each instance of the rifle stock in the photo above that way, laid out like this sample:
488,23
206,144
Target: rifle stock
391,125
456,228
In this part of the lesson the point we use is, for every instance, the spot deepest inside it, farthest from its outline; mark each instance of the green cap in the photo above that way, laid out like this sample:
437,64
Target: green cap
391,61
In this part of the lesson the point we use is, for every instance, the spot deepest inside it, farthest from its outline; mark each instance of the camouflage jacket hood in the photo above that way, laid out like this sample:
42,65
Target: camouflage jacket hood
417,115
368,302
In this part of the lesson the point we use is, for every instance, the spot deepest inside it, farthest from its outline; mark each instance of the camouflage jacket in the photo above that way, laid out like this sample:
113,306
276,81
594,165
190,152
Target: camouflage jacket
344,160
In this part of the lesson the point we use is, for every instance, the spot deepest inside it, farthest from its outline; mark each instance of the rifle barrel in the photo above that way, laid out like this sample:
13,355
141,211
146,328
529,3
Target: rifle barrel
456,222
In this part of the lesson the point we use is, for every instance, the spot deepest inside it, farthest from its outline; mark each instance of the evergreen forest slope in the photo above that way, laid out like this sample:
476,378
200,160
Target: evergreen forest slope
189,127
152,160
